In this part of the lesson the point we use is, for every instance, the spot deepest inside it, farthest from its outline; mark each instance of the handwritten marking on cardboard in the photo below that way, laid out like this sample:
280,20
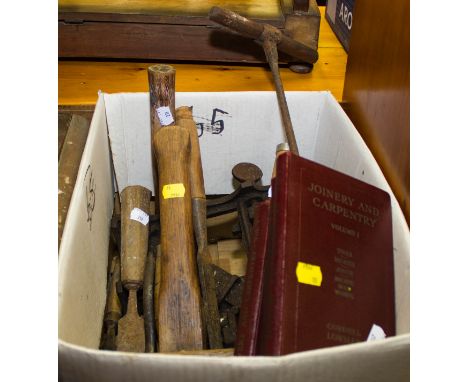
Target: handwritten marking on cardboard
139,215
308,274
165,115
175,190
215,125
376,333
90,195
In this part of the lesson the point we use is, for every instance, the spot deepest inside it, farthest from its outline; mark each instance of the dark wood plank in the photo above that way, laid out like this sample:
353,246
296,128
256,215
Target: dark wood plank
377,88
68,165
63,123
155,42
80,17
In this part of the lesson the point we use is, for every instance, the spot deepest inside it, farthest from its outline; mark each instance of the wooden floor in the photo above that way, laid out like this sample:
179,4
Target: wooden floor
80,81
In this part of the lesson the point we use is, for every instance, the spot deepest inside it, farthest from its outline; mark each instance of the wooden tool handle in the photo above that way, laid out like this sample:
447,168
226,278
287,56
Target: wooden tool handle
254,30
161,80
134,235
210,315
179,302
184,118
113,308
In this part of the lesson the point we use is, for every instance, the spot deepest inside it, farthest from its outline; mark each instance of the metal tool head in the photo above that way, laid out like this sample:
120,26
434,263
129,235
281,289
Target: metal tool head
131,329
247,172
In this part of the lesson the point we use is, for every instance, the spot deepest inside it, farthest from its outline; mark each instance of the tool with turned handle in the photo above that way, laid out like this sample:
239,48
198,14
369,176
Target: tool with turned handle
113,311
161,82
179,301
211,318
135,201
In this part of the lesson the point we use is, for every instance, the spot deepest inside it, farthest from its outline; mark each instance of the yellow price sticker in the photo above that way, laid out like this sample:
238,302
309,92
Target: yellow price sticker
175,190
308,274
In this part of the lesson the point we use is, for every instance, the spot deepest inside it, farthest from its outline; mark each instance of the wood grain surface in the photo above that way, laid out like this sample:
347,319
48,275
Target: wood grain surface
134,235
73,131
251,8
377,88
179,301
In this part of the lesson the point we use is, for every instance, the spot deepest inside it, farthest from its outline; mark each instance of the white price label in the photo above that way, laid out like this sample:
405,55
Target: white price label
140,216
165,115
269,192
376,333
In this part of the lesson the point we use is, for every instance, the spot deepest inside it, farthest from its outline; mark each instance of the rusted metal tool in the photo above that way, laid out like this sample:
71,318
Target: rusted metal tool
242,199
234,297
247,174
224,282
229,293
148,296
229,325
210,312
248,191
272,40
135,202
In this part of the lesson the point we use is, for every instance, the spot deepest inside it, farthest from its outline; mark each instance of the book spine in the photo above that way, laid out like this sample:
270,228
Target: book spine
270,331
249,315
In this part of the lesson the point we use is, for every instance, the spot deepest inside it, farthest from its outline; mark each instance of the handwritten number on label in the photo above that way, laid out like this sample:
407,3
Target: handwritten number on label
90,186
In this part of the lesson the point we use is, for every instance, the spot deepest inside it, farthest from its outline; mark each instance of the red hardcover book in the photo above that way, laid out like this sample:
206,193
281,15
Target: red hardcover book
249,315
329,264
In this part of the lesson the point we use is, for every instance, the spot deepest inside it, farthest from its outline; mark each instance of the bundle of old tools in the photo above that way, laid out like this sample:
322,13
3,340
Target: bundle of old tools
195,304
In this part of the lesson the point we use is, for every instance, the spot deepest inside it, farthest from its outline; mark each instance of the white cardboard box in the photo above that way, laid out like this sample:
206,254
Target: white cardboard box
251,131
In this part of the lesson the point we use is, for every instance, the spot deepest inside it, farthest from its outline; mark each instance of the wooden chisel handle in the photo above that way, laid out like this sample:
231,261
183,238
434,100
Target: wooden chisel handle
179,301
135,201
113,307
113,310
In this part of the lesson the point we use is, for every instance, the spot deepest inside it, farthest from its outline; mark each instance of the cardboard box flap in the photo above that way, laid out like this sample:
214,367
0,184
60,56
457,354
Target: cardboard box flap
233,127
83,251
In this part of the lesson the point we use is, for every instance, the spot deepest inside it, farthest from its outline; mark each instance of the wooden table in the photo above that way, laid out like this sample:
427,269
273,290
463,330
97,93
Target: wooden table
80,81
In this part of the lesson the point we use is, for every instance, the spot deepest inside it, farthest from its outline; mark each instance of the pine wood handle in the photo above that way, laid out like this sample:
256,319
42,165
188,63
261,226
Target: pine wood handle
179,302
134,236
